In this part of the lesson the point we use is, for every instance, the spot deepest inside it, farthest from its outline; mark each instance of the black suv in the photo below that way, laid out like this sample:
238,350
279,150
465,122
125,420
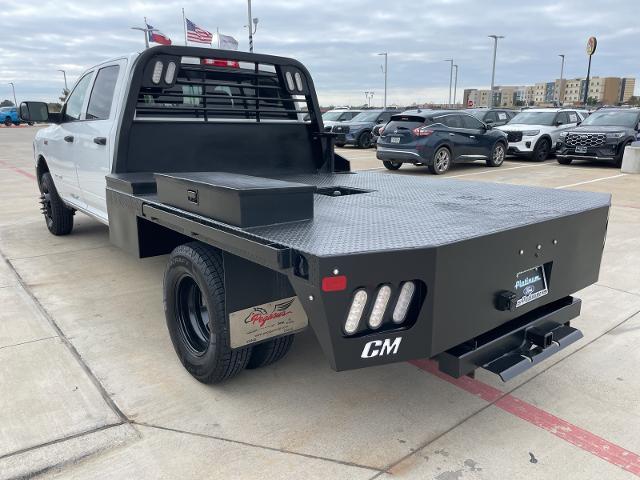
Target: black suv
438,138
603,135
492,116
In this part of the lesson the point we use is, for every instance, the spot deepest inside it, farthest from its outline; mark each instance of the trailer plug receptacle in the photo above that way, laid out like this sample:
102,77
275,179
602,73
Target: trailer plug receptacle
506,300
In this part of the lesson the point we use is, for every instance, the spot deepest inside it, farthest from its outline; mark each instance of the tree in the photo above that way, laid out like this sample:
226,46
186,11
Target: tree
6,103
592,101
634,101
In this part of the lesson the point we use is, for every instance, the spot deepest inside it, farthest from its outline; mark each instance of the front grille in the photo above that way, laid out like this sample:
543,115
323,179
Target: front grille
514,136
585,139
341,129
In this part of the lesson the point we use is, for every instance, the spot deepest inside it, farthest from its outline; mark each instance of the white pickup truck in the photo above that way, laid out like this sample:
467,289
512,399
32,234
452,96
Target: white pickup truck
221,160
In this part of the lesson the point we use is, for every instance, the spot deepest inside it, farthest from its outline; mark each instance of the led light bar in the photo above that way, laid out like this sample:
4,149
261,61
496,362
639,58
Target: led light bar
355,312
404,301
157,72
379,306
289,79
169,76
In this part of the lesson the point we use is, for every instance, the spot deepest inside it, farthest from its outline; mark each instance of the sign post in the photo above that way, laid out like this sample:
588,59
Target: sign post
592,43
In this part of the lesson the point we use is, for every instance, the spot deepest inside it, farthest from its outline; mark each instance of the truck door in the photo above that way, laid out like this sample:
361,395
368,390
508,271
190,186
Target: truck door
61,145
94,138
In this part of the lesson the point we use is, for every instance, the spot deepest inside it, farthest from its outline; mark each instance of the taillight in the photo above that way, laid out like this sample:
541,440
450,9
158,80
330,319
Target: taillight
379,306
422,132
215,62
355,311
404,301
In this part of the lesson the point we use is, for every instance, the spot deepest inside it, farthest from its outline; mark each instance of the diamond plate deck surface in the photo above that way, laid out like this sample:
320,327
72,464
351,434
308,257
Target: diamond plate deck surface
406,212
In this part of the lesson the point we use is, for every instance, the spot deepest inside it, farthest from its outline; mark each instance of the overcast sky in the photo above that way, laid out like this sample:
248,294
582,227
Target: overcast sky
337,40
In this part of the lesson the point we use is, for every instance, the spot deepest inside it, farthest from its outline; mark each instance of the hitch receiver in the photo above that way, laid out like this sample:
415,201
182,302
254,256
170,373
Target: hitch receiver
518,345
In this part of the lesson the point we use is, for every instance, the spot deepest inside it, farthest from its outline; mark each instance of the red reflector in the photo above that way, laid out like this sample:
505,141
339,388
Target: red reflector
214,62
334,284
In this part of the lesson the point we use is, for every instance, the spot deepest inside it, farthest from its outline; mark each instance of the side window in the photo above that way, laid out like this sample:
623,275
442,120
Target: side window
344,117
73,107
490,117
503,117
470,122
452,121
562,118
101,97
384,118
573,117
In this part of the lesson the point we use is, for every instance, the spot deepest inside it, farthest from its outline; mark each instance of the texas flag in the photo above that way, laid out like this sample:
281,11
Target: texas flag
157,36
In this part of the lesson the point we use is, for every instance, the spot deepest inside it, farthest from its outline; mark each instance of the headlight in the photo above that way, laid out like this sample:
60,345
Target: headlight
530,133
615,135
563,134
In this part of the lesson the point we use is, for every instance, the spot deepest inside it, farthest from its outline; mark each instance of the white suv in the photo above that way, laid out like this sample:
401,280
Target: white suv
535,132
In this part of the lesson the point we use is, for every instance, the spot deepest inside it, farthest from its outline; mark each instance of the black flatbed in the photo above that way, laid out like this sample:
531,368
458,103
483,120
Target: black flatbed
396,212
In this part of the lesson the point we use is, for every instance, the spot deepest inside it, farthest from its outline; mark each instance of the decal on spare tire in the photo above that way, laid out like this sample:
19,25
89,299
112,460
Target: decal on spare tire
268,320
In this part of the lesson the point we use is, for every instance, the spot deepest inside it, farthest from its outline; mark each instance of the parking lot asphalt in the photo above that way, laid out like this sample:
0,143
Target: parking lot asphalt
90,386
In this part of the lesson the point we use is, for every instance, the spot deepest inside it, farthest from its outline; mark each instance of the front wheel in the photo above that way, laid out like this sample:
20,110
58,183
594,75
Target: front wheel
497,155
194,303
441,161
541,150
364,140
390,165
58,217
7,122
618,160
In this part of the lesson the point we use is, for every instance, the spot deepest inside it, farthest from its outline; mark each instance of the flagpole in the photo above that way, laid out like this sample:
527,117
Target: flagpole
146,33
184,26
218,35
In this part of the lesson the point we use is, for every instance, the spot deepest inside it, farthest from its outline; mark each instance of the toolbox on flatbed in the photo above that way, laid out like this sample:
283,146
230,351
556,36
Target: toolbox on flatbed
240,200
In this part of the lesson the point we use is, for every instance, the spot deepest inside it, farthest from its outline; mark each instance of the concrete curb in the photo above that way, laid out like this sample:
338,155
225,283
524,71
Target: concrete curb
631,159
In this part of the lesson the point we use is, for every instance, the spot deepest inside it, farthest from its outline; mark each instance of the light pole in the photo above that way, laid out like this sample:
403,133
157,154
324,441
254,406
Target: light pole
252,26
146,34
561,74
13,87
455,85
450,77
65,79
385,78
493,70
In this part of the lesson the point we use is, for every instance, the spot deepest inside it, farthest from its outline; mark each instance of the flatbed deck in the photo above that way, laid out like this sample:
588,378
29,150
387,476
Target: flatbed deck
402,212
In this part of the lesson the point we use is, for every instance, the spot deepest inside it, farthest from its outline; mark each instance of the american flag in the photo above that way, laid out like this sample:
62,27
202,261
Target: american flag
197,34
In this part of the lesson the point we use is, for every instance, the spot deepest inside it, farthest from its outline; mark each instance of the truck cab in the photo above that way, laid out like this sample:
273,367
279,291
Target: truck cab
78,148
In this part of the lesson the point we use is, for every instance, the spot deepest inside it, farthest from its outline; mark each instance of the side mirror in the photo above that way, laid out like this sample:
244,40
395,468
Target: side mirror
578,123
35,112
488,121
379,121
488,126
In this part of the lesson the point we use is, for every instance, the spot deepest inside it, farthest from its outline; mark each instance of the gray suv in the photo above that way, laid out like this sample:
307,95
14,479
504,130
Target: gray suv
357,131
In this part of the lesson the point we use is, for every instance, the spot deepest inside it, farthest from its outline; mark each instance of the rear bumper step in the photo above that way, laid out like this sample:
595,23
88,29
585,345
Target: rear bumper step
513,348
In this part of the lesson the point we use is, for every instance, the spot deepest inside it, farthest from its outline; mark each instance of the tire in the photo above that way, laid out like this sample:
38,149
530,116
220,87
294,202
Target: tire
390,165
541,150
7,121
441,161
364,140
194,306
498,153
339,144
270,352
564,161
618,160
58,217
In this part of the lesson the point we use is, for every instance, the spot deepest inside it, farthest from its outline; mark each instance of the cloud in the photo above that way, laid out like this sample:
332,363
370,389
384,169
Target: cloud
338,40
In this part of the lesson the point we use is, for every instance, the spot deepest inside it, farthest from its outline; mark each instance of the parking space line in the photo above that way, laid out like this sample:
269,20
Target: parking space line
499,170
581,438
18,170
591,181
